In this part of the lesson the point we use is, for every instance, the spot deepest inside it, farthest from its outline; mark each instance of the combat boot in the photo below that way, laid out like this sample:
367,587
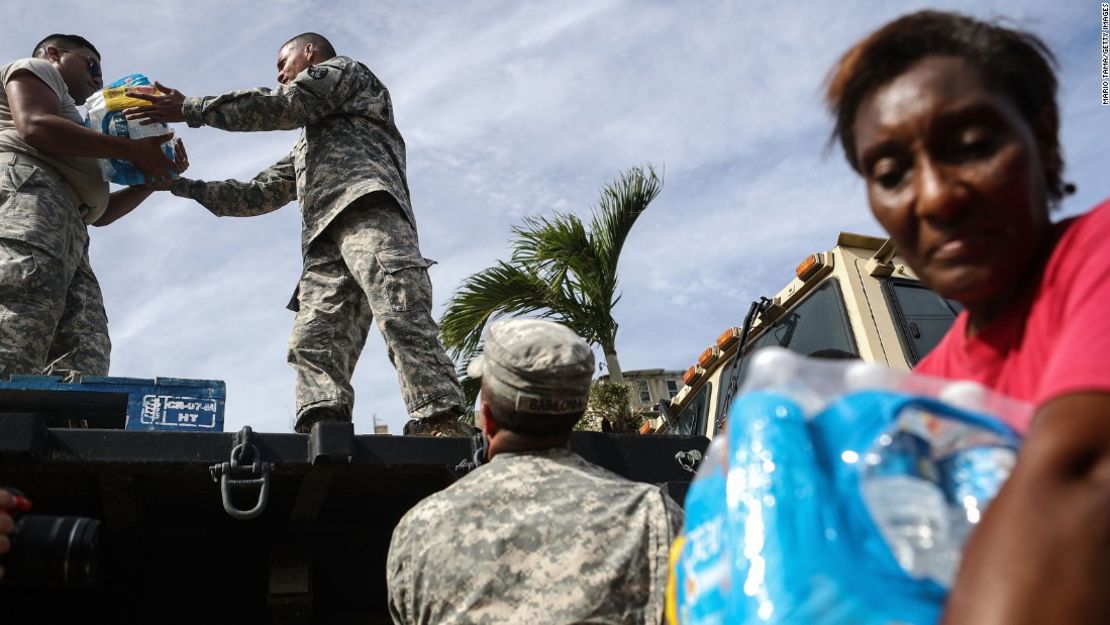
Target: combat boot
316,414
445,423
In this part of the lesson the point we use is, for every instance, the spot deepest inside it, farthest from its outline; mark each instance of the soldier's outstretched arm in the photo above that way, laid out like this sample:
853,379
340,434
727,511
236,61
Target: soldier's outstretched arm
311,96
271,189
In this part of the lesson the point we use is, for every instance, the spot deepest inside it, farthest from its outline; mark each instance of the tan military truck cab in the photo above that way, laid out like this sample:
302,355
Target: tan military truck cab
857,300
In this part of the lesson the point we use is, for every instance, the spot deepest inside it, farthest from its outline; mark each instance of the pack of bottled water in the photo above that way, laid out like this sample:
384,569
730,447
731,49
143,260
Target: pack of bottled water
105,114
841,493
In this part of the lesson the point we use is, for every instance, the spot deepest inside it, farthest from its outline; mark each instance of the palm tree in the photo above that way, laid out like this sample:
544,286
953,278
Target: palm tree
558,269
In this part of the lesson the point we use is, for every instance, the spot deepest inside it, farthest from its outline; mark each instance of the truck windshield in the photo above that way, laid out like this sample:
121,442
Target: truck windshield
923,316
818,326
693,420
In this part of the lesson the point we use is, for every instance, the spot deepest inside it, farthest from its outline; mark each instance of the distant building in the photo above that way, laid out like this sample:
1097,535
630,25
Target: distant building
379,428
649,386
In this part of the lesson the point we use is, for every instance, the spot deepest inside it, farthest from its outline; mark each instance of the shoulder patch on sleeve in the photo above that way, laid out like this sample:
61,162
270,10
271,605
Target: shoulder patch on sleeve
317,72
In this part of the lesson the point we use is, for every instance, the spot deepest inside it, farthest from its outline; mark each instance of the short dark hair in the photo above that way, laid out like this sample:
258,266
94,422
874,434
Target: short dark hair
317,40
59,40
525,423
1015,62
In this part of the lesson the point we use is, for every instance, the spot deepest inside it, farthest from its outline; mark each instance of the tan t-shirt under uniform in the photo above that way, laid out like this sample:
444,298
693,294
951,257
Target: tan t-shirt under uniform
83,175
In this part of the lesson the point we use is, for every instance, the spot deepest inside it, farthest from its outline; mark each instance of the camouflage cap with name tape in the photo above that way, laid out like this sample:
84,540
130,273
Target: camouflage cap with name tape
540,367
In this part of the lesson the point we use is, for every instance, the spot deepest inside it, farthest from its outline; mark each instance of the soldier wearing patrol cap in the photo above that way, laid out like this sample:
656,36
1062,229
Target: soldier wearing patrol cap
538,534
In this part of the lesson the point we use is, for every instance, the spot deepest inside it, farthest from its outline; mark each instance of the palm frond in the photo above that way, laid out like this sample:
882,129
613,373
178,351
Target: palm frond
559,269
498,290
553,247
622,202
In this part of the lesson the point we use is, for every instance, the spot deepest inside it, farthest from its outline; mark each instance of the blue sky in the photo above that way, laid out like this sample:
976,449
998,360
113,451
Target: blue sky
513,109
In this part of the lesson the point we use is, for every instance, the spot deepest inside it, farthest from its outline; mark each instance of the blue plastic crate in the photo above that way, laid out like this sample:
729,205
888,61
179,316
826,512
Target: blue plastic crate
119,403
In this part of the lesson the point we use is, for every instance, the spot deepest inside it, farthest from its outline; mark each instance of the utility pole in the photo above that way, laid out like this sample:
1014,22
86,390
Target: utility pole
379,429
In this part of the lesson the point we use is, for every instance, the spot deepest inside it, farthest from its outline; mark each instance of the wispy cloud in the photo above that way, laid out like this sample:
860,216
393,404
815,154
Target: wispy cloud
513,109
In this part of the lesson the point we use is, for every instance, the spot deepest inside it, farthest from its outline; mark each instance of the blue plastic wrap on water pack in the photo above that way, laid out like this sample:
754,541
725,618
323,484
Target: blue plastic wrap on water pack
825,504
105,114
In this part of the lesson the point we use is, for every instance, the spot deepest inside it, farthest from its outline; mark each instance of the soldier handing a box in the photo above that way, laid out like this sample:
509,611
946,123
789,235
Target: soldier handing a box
361,254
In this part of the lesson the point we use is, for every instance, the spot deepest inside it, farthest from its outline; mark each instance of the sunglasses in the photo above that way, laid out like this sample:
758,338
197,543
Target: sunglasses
93,64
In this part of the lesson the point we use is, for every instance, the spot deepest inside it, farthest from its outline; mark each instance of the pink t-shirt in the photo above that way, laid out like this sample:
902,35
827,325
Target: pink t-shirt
1056,339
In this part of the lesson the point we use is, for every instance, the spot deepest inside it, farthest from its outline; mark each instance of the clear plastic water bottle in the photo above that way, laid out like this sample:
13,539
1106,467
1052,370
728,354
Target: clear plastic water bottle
907,503
971,478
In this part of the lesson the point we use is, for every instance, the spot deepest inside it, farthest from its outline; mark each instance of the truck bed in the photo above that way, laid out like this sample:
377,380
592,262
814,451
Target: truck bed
315,553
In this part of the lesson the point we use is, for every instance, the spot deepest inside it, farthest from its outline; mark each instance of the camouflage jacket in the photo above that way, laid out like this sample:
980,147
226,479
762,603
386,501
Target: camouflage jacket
349,145
536,537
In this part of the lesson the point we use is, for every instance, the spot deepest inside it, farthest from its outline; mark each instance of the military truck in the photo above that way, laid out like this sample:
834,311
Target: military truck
203,526
856,300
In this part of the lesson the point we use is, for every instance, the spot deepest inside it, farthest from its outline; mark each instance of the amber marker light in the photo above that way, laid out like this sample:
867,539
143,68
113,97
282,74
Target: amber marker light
808,267
727,338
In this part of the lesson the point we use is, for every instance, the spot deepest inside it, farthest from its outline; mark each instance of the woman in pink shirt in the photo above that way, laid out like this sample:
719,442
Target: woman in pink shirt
953,124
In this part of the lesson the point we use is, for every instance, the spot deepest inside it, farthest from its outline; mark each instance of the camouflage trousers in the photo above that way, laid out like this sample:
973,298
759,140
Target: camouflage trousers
52,316
365,266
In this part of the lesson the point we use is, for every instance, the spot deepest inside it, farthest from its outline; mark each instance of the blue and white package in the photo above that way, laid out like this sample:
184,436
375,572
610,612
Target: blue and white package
842,493
105,114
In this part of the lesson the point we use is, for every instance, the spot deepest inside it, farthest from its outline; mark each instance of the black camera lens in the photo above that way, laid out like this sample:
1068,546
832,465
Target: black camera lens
53,551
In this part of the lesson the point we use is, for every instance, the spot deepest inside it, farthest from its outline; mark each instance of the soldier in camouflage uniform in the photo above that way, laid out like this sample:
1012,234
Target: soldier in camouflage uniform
52,316
537,535
361,254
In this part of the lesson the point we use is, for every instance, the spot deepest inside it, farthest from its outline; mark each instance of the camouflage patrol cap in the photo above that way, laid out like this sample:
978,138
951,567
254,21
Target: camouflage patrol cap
539,366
